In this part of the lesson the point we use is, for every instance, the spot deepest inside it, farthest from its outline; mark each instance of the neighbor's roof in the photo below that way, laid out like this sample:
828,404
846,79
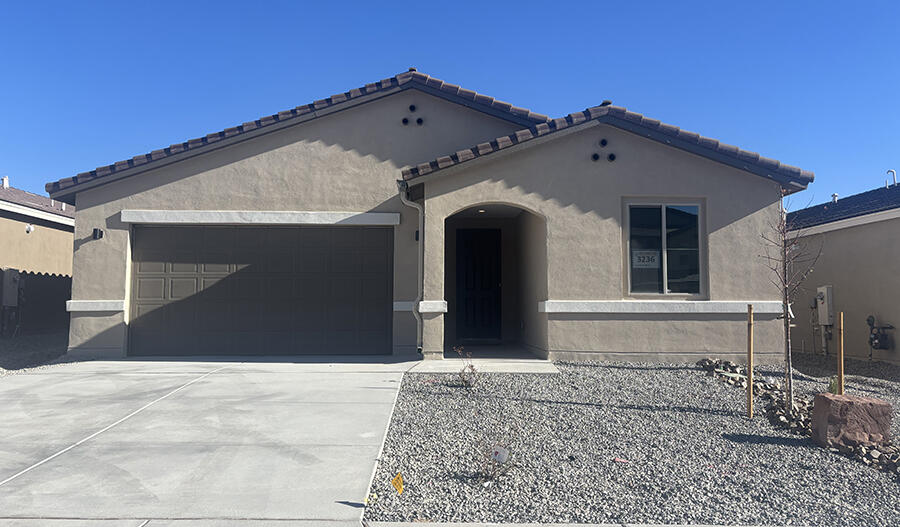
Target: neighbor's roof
406,80
35,201
791,177
877,200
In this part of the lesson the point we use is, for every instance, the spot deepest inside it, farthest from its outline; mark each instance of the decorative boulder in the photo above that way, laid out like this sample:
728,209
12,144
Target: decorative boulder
849,421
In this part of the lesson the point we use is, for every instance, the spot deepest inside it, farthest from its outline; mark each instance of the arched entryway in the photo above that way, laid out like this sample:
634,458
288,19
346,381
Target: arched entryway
495,273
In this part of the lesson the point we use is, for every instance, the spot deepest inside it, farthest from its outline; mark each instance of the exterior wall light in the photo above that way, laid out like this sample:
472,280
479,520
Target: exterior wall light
29,228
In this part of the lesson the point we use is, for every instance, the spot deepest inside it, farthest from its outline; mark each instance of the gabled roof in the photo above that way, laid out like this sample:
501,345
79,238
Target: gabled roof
791,178
877,200
36,202
313,110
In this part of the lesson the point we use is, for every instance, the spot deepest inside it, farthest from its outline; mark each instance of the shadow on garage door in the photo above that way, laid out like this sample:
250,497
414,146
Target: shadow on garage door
261,290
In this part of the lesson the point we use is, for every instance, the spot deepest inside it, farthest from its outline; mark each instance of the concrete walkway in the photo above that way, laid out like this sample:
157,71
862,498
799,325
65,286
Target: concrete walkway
487,366
150,443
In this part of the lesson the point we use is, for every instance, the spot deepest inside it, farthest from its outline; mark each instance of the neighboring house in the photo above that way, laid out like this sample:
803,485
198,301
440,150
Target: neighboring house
36,236
602,234
859,240
35,232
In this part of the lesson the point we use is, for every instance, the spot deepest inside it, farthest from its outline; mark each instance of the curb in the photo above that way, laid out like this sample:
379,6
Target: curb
463,524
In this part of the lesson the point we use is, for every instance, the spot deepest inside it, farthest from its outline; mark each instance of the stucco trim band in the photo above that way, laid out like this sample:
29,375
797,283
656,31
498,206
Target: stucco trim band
657,306
109,306
404,305
258,217
433,306
855,221
34,213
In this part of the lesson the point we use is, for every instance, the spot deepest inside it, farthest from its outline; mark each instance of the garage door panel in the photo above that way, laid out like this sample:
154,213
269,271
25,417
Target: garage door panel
279,288
240,290
279,261
310,317
312,260
345,237
151,289
215,288
214,316
313,237
375,262
180,317
248,260
246,287
182,287
277,315
152,262
346,260
215,262
311,288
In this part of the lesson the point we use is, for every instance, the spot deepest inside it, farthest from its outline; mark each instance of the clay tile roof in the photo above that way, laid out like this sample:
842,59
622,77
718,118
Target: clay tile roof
415,79
791,177
35,201
880,199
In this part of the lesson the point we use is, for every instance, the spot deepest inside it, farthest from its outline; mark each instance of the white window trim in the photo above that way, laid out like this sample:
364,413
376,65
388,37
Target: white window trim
701,245
769,307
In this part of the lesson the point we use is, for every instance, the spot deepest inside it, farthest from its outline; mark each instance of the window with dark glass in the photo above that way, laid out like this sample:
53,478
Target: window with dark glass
664,246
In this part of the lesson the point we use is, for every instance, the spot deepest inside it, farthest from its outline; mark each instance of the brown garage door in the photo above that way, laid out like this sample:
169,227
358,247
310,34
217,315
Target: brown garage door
261,291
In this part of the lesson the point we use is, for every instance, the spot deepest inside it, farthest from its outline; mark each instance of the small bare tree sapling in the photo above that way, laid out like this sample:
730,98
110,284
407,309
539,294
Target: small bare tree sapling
790,263
468,375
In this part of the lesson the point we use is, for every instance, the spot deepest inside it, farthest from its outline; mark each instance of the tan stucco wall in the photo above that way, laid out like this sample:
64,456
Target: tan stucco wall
347,161
861,264
582,202
532,259
48,249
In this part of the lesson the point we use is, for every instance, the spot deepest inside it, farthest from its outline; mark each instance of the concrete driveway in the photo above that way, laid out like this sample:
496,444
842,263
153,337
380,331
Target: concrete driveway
193,442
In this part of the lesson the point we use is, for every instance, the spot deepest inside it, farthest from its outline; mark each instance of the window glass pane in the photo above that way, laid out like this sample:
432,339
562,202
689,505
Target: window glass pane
646,249
682,249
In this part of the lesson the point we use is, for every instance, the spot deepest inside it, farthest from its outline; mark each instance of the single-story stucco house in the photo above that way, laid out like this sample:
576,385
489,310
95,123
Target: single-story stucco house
857,240
411,214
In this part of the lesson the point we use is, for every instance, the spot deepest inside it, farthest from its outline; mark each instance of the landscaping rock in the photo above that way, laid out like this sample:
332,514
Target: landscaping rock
694,458
850,420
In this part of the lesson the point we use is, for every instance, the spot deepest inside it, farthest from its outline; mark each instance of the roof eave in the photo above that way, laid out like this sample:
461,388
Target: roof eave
789,183
412,80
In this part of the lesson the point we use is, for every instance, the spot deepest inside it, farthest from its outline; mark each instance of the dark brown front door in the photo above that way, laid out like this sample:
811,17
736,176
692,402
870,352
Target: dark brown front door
478,285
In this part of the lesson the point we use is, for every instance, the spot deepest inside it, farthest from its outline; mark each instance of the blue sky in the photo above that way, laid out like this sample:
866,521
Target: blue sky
814,84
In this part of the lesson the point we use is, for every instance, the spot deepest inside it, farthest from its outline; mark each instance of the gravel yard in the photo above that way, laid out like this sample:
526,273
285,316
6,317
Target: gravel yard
616,442
28,352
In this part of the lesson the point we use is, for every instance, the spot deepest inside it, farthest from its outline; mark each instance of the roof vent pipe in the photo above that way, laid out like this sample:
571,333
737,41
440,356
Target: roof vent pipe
834,197
893,173
5,180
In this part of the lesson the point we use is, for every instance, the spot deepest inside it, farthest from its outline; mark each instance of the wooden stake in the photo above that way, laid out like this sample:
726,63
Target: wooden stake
840,353
750,361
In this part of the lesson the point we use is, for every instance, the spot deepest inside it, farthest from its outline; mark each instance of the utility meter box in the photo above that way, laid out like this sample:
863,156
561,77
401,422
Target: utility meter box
825,305
9,288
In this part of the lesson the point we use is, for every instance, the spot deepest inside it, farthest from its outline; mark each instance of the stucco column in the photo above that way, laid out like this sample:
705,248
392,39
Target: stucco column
433,322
